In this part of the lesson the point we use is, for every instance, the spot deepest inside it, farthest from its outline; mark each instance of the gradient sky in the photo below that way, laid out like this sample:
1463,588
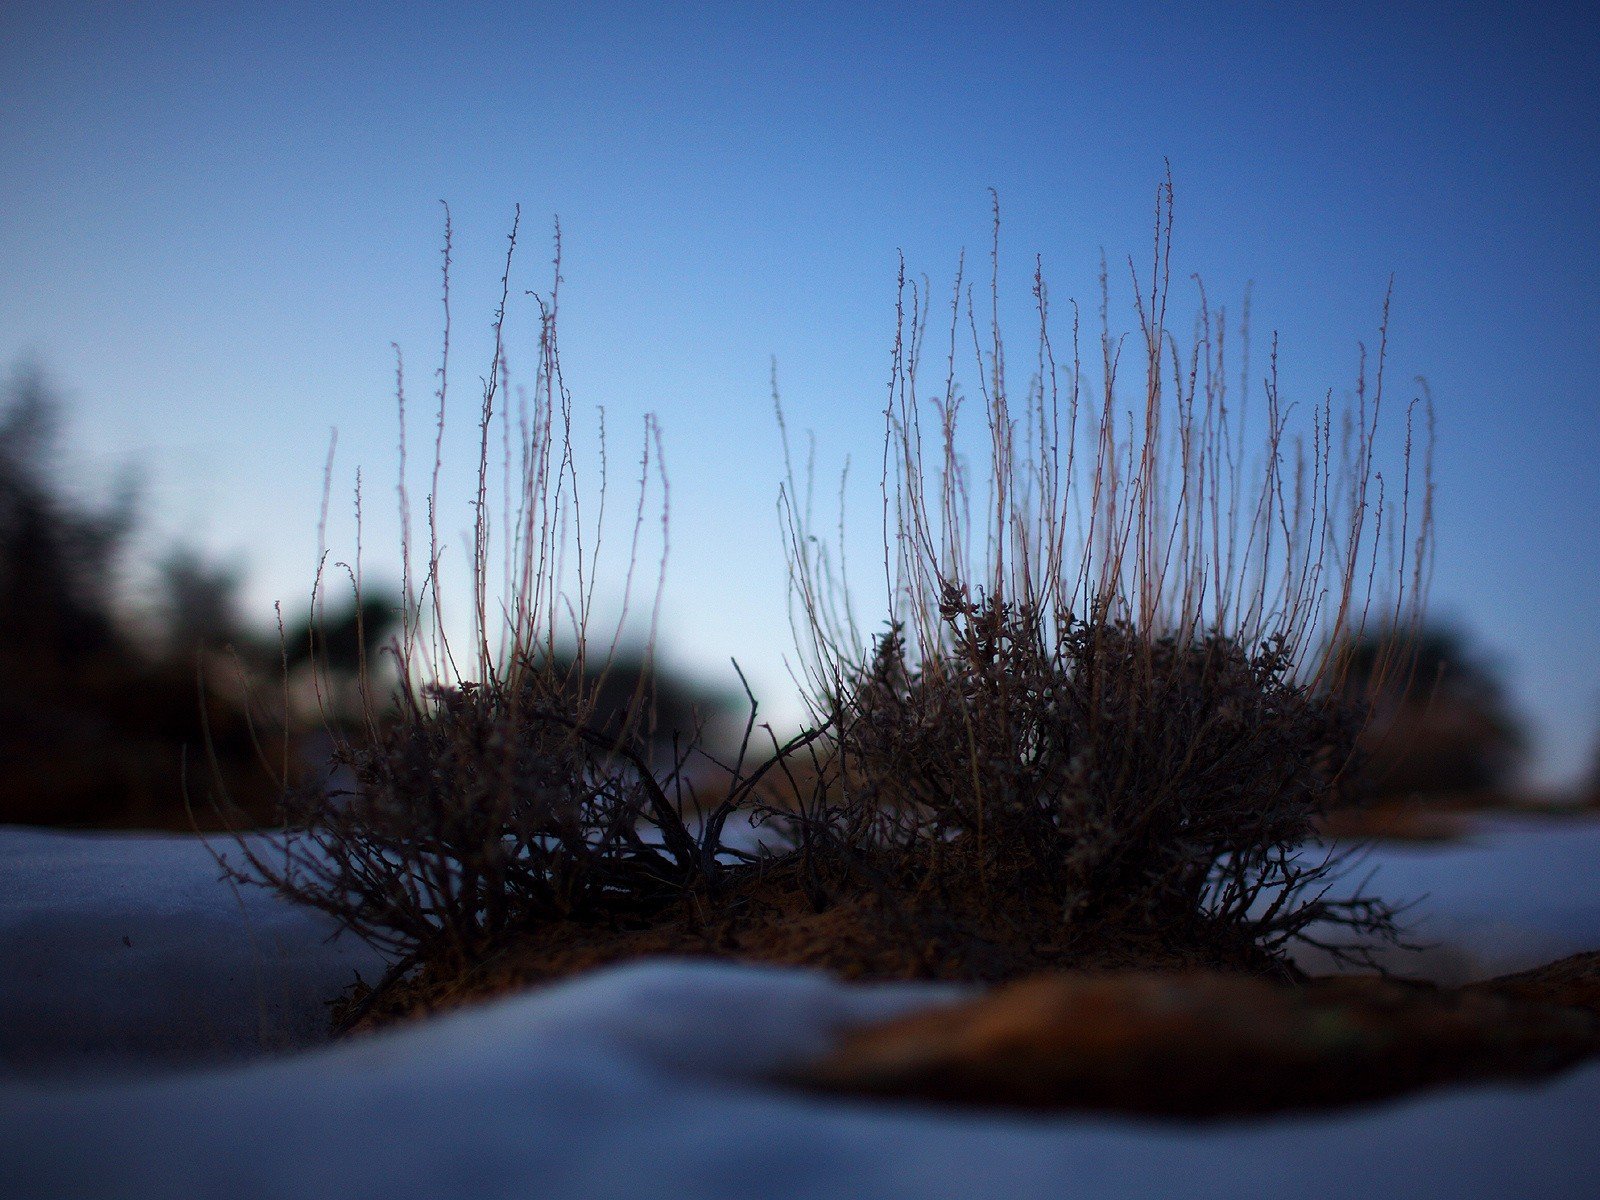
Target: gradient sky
214,222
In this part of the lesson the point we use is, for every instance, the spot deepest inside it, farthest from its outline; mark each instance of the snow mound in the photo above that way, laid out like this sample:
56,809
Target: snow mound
656,1078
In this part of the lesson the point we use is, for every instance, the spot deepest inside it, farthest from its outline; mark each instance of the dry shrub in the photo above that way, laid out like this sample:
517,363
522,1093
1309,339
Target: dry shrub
508,787
1128,779
1108,696
1105,711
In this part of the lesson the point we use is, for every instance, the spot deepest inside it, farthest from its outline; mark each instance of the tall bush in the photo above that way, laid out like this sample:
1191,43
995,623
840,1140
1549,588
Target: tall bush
1107,693
507,782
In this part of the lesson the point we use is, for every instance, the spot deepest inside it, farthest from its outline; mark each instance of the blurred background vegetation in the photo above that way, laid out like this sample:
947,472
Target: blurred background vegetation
113,713
1441,728
108,707
101,711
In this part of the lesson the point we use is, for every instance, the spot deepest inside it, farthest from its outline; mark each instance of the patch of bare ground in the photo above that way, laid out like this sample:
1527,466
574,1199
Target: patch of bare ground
1448,817
1206,1044
858,931
1102,1023
1396,823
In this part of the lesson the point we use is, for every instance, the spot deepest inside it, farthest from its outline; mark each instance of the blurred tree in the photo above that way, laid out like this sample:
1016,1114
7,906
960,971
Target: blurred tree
96,727
672,705
351,637
1441,724
337,668
200,605
58,559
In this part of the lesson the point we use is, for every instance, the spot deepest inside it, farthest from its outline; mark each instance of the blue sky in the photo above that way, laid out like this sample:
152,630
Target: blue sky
213,223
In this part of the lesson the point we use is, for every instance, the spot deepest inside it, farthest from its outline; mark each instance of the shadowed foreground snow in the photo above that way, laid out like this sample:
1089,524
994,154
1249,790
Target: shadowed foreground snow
126,951
653,1079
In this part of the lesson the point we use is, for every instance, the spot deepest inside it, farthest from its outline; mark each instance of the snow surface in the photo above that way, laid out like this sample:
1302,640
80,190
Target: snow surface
1520,892
657,1078
122,951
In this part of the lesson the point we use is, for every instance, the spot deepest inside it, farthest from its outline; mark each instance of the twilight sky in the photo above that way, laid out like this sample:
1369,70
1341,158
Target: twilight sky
213,223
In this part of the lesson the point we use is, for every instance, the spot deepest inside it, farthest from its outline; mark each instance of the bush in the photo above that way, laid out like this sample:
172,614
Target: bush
1106,711
1111,700
525,793
1130,779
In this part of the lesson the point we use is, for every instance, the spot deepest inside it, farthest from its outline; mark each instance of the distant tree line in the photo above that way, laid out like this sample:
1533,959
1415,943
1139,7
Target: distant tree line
115,716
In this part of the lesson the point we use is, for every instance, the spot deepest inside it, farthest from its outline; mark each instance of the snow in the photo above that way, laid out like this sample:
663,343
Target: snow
1522,891
125,951
655,1078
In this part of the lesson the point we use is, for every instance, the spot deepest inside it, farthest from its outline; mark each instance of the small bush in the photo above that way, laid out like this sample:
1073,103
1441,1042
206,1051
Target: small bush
477,808
1109,695
1131,780
464,808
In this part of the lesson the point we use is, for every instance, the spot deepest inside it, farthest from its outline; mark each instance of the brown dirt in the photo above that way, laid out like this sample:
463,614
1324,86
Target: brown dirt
1210,1044
1447,817
1396,823
858,935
